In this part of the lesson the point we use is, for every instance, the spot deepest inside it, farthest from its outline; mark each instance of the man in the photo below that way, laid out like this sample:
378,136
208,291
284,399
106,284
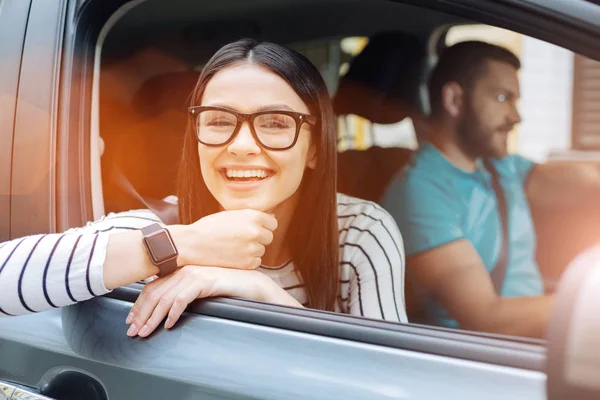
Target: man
446,206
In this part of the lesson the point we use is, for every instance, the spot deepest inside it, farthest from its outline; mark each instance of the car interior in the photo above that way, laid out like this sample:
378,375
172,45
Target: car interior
383,84
152,54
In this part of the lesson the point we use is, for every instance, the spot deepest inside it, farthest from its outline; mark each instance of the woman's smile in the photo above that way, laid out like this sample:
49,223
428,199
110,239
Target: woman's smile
245,178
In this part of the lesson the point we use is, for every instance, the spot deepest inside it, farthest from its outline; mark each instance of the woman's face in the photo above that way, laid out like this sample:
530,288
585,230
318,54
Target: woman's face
275,176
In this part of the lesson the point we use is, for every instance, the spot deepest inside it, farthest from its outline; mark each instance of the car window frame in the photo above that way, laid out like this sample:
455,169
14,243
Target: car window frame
78,209
33,199
501,350
570,25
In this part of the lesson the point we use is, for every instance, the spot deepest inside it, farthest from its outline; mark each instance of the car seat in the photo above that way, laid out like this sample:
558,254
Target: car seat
144,144
382,86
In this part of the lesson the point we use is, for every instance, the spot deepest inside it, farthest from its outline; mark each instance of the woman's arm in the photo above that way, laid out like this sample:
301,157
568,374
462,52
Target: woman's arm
48,271
233,239
374,249
41,272
169,296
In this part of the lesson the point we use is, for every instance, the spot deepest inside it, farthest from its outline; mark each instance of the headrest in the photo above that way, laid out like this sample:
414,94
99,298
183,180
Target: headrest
382,83
163,92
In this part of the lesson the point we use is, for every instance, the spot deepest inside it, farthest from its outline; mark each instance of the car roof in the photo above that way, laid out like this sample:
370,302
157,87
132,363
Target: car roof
193,30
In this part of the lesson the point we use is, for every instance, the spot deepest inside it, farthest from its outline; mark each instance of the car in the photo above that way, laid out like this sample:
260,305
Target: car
77,76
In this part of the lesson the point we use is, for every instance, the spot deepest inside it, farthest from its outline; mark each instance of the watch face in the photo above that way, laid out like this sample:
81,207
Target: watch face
161,246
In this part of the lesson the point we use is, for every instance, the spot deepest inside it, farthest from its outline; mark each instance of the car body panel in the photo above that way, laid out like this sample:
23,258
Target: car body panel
220,358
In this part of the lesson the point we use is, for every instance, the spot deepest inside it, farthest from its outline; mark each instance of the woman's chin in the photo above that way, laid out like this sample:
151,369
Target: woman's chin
232,205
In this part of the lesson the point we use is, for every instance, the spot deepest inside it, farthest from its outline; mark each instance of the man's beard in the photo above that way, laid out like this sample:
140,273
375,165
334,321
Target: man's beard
476,140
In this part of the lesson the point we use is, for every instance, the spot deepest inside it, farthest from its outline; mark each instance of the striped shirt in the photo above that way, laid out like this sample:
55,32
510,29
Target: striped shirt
48,271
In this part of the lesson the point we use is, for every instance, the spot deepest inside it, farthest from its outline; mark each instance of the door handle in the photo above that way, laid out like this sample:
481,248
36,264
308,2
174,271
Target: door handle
57,383
10,391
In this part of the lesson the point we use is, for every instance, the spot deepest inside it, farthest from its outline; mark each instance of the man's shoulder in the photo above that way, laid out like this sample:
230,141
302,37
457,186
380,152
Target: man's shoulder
421,188
419,178
422,167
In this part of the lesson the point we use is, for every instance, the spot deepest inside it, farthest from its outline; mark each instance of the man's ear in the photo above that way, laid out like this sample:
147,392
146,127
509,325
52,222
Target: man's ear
311,157
453,98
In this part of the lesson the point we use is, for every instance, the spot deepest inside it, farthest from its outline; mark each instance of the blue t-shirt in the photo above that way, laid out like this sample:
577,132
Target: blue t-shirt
435,202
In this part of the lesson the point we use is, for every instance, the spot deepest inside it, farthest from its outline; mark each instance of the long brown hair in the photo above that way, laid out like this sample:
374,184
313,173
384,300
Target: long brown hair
313,234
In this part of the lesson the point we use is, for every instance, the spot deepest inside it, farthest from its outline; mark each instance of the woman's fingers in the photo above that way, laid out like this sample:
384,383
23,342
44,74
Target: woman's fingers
148,300
160,311
268,221
265,237
136,306
170,297
191,292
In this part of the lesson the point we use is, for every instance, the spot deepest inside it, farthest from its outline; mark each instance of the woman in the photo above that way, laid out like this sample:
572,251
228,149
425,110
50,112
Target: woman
260,216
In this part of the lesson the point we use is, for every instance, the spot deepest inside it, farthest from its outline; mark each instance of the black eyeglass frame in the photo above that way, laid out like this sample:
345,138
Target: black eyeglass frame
300,119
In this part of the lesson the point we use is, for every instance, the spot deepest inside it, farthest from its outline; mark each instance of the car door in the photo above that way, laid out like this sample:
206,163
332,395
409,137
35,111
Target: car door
222,348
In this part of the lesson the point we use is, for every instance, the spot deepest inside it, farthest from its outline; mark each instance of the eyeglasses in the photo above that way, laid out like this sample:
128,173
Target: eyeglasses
273,130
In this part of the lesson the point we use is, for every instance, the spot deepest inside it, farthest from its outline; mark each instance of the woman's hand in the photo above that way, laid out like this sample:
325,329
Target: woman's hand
171,294
231,239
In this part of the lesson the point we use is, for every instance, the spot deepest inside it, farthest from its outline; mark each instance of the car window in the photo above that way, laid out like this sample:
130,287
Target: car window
144,86
143,95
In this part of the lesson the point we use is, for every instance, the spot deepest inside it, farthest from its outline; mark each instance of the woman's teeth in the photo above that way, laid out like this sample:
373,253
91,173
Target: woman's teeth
246,174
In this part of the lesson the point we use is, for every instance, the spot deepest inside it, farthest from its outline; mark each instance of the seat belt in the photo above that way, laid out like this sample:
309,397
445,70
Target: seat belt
499,272
167,212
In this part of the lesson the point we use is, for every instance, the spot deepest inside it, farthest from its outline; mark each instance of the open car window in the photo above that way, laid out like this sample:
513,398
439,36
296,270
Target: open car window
144,82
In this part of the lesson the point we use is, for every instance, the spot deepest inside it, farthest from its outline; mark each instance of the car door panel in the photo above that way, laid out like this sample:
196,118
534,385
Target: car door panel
211,357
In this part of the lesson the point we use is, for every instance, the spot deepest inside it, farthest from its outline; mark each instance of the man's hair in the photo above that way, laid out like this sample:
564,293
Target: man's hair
464,63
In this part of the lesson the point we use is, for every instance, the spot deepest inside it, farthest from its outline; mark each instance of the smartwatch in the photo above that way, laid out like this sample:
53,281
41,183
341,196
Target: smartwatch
161,248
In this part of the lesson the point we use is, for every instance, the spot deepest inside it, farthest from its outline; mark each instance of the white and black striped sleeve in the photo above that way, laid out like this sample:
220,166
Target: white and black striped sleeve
374,251
47,271
119,222
41,272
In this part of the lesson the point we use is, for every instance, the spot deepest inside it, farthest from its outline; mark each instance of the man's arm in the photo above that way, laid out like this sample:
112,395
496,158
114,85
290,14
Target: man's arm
457,278
564,184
